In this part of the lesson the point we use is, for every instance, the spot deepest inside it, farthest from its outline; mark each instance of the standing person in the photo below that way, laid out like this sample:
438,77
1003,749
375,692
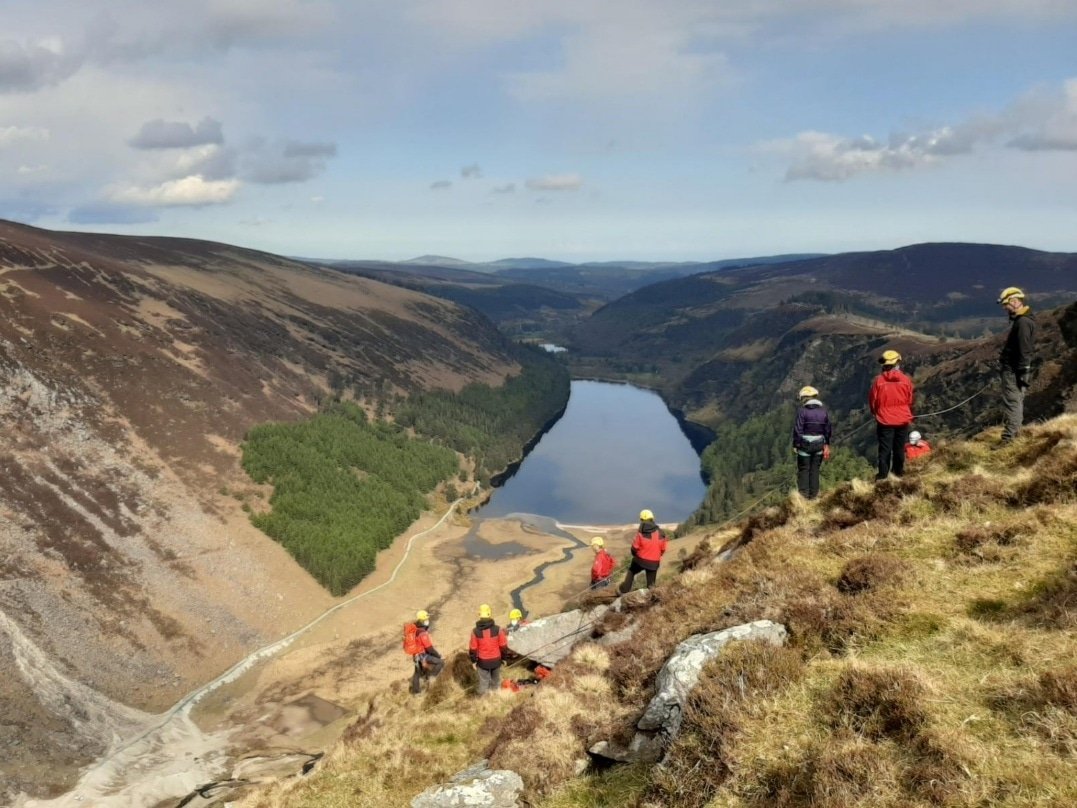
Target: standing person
647,550
417,642
890,401
484,649
603,565
917,446
811,441
1015,360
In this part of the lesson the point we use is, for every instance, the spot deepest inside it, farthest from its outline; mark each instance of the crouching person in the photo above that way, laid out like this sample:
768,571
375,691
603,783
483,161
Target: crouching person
485,646
417,642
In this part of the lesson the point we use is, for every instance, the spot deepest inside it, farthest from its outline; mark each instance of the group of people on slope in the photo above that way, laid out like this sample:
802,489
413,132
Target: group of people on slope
891,399
487,642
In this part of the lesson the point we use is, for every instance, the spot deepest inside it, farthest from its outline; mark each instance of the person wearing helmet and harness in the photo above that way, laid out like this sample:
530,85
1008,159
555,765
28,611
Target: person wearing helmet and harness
516,620
890,401
417,642
811,441
647,550
1015,360
917,446
485,646
603,565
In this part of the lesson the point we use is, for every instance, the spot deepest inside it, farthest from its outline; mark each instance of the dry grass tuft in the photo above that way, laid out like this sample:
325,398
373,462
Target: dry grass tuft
1054,480
460,670
988,543
852,503
871,572
703,552
841,774
765,520
1044,706
883,702
970,491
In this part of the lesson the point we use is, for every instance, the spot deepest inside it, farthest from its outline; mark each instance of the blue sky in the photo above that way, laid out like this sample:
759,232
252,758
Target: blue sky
483,129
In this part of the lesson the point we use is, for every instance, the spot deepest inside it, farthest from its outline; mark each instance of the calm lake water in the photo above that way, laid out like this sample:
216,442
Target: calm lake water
615,451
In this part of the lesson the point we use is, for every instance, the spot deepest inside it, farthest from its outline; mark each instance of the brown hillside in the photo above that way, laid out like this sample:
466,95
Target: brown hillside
130,369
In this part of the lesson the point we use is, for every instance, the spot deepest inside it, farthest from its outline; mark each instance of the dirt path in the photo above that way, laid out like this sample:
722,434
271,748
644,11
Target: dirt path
334,662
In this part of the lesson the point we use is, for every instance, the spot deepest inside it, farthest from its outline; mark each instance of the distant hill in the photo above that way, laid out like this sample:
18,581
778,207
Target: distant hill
939,289
525,263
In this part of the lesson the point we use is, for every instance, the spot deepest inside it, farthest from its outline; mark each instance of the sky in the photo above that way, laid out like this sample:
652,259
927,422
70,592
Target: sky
579,130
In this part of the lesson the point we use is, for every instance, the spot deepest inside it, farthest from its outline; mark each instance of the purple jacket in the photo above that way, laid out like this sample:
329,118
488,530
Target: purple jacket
811,429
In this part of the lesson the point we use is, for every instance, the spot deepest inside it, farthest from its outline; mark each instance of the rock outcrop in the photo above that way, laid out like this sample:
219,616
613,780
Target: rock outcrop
661,721
551,639
476,787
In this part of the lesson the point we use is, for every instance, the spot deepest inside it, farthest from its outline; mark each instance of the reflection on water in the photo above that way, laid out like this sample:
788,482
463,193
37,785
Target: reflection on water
616,450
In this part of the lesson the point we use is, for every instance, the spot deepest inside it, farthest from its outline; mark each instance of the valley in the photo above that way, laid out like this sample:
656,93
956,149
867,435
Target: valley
151,635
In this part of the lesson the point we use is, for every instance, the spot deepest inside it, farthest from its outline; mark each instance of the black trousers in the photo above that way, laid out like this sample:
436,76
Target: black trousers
432,668
808,474
630,577
892,440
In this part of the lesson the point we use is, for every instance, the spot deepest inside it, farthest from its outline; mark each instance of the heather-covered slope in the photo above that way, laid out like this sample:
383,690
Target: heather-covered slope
130,370
932,661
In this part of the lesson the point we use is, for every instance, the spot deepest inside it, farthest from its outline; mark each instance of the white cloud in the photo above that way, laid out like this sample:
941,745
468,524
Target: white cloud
192,191
556,182
14,134
1042,120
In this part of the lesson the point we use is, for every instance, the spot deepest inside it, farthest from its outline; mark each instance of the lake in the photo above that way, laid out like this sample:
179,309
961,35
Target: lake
616,450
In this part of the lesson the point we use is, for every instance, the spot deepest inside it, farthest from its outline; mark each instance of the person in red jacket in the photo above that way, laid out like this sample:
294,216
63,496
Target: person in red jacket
647,550
917,446
890,401
427,661
484,649
603,566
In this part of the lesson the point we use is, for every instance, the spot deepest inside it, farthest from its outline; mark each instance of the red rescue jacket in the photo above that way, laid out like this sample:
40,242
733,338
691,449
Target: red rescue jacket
649,547
917,450
603,566
486,643
890,398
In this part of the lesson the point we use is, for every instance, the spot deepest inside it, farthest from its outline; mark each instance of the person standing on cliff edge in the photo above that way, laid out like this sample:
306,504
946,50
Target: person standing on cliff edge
647,550
890,401
1015,360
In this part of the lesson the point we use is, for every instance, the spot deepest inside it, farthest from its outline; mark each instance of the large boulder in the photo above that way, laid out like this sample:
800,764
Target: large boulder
661,721
477,787
548,640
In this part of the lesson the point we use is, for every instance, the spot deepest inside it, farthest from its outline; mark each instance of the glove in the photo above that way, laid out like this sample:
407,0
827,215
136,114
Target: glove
826,451
1021,375
473,657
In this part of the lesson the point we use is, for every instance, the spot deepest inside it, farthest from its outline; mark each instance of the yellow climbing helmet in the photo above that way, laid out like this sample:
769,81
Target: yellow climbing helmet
516,614
808,392
421,616
646,516
1008,293
598,541
889,358
485,611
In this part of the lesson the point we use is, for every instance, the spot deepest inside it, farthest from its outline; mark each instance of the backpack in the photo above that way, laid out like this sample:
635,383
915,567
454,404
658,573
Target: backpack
412,645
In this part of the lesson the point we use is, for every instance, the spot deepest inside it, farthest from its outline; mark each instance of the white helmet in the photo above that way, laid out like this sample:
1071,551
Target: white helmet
914,437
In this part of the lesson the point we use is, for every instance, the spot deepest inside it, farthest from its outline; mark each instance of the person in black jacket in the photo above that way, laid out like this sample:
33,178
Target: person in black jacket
1015,360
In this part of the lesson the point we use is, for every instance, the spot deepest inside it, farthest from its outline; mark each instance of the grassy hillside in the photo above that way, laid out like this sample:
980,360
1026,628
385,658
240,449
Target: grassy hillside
932,661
